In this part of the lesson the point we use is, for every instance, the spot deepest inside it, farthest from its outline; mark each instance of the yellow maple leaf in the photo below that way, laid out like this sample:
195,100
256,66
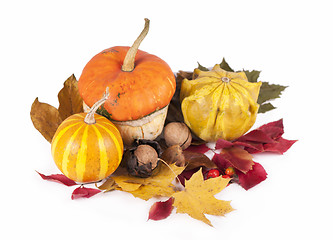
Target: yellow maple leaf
159,184
197,199
163,175
146,192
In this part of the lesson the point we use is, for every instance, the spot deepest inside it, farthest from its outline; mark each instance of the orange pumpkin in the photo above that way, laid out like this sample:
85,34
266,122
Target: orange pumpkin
141,87
87,147
134,92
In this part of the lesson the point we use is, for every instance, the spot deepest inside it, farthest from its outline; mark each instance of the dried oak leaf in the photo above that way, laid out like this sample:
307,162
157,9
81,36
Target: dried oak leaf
45,118
161,210
70,101
197,199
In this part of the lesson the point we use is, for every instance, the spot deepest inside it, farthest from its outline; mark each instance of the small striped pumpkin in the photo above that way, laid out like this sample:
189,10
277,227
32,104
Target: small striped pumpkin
87,147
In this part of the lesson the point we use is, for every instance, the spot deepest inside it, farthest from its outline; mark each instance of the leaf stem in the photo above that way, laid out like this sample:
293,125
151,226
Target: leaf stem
169,168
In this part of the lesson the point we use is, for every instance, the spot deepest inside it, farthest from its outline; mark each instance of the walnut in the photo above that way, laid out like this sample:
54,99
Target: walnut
143,158
177,133
174,154
145,155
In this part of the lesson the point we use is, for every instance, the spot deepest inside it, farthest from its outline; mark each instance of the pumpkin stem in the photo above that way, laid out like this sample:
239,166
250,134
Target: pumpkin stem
90,117
128,64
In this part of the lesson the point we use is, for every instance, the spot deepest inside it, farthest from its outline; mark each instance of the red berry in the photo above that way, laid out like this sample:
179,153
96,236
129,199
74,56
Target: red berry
230,171
225,176
213,173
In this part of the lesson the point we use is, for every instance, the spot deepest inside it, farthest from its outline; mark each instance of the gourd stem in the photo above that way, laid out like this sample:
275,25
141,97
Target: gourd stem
128,64
90,118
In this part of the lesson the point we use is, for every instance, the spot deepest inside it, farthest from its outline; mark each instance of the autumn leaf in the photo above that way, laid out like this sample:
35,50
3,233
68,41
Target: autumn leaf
224,65
267,138
197,199
108,185
238,158
160,210
158,184
162,175
70,101
60,178
253,177
147,192
194,160
45,118
202,148
83,192
191,160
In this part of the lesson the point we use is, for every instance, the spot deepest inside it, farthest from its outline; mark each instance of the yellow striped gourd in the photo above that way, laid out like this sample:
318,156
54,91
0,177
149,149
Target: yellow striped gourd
87,147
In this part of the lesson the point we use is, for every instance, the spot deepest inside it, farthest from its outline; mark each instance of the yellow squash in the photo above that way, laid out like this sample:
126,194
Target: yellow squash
219,104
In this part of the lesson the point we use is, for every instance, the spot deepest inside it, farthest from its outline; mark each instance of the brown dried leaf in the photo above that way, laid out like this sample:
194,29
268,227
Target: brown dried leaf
70,101
194,160
108,185
45,118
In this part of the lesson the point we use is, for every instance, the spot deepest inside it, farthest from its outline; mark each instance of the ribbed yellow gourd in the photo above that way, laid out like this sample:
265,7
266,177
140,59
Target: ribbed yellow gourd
219,104
87,148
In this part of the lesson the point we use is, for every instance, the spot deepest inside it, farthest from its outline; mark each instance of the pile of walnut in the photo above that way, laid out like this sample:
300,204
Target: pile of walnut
142,158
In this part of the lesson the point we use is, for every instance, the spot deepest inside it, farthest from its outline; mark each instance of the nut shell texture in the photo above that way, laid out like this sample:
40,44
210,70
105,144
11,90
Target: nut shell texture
177,133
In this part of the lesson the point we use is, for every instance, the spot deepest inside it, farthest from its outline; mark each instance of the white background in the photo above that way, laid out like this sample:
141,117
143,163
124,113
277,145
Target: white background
43,42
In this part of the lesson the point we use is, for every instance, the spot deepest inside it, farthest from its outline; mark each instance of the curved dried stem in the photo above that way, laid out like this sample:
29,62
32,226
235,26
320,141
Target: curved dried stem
128,64
90,119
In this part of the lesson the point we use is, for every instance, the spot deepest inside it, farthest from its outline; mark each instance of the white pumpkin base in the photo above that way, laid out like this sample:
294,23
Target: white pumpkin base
148,127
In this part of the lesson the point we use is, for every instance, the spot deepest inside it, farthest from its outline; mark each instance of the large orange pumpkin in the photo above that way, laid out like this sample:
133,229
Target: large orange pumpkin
140,84
87,147
133,95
